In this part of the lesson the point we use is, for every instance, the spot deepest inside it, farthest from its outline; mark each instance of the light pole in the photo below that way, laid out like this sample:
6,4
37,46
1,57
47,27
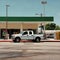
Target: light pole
40,30
21,27
44,2
39,14
7,17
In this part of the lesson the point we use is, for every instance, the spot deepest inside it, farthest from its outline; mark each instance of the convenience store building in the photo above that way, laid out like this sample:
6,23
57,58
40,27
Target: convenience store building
16,24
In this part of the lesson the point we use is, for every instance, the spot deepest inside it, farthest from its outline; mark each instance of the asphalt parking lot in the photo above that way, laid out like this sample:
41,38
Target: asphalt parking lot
30,51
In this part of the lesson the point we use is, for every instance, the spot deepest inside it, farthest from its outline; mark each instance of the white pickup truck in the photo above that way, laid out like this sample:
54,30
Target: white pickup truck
27,35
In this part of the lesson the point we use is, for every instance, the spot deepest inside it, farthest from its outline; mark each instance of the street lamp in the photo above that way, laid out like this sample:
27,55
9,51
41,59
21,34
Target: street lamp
21,27
39,14
43,3
40,29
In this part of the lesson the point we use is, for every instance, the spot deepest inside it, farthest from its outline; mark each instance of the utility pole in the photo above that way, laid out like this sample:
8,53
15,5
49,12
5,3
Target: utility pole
7,19
7,16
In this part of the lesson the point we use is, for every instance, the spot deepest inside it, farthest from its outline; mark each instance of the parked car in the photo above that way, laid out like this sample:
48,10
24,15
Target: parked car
27,35
50,36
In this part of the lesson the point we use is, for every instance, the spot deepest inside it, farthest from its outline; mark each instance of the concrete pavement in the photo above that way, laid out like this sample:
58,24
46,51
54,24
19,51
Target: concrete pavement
47,40
30,51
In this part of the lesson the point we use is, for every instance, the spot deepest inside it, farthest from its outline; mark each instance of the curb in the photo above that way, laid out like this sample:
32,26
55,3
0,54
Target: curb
51,41
12,41
29,40
5,40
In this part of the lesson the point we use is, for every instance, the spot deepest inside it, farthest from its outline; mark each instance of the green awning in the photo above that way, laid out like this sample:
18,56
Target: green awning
27,19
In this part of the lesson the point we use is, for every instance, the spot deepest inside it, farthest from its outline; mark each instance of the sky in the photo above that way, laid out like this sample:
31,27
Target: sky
31,8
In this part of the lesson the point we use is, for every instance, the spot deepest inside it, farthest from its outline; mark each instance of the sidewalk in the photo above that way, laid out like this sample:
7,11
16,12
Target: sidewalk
48,40
5,40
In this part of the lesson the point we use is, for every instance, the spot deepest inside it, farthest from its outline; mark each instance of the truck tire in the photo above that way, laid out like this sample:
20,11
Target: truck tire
37,39
17,40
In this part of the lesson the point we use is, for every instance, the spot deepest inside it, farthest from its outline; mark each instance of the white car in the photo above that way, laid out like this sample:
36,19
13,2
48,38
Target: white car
27,35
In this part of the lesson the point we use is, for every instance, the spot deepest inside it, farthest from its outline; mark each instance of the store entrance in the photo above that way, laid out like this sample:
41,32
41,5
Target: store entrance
10,32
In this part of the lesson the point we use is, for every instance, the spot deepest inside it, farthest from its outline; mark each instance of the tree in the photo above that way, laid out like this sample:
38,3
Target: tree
57,27
50,26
